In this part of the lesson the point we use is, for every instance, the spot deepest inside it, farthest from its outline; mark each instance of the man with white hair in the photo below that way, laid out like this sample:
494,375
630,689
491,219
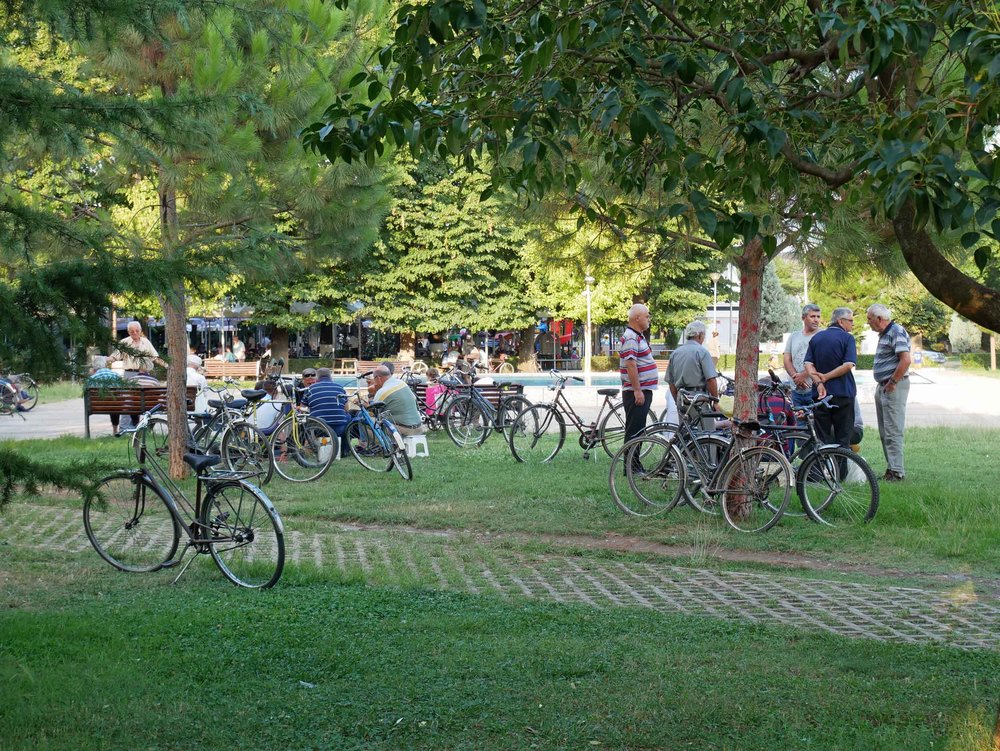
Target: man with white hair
141,353
691,364
638,370
892,361
400,402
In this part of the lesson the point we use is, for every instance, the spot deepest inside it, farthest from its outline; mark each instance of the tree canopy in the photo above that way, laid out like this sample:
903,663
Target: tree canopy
726,117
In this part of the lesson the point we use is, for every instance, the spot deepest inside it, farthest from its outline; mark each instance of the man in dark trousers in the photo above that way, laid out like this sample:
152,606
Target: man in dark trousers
830,360
638,370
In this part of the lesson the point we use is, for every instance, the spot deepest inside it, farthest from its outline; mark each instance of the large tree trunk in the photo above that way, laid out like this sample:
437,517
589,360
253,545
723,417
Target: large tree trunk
751,265
175,312
961,293
279,345
407,346
526,350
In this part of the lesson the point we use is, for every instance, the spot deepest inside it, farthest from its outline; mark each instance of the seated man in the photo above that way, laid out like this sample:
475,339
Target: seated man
101,376
272,408
325,400
400,401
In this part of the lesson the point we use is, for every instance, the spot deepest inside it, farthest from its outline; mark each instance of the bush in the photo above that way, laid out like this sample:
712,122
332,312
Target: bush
866,362
975,360
604,363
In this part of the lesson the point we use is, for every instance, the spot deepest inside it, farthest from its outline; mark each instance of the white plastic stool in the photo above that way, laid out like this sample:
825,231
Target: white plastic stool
414,444
325,449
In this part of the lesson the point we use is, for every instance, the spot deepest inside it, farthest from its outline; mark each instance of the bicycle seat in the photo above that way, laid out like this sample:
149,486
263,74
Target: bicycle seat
200,462
234,404
608,392
253,395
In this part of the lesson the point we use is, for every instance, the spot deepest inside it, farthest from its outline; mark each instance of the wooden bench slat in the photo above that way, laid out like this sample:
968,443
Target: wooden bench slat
220,369
125,401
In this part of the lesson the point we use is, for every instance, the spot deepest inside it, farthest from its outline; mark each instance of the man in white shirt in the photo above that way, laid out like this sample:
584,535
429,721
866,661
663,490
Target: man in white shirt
795,354
141,353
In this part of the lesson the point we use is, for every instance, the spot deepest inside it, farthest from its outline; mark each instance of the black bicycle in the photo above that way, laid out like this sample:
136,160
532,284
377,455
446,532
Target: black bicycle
538,432
136,519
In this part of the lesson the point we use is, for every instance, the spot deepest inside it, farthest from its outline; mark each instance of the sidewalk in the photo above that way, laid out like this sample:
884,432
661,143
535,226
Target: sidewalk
937,397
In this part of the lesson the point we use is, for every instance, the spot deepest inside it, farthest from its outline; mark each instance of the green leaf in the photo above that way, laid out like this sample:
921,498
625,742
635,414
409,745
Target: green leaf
356,79
776,139
969,239
982,257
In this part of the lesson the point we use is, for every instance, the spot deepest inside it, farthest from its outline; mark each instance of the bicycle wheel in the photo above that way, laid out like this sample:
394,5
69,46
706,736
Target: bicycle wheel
157,438
837,487
510,408
244,534
646,476
505,368
465,422
400,460
32,391
612,429
755,486
130,524
537,434
302,448
246,449
366,448
708,454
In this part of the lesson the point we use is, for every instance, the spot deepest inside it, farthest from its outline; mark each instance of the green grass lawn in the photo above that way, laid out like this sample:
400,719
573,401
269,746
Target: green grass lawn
90,658
96,659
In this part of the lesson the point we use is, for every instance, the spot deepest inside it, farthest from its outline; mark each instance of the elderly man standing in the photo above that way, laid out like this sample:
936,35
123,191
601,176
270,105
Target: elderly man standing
141,355
830,360
795,355
638,370
400,402
892,361
691,366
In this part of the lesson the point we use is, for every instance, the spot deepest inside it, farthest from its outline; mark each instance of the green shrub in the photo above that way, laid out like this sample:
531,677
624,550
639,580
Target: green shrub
975,360
604,363
866,362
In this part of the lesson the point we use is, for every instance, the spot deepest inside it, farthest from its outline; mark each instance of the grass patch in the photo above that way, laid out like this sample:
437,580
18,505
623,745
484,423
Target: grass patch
59,391
109,661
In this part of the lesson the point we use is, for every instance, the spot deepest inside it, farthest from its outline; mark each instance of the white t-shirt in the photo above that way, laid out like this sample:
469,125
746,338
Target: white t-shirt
796,346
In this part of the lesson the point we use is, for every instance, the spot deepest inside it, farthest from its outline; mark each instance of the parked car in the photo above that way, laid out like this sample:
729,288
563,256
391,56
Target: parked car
937,357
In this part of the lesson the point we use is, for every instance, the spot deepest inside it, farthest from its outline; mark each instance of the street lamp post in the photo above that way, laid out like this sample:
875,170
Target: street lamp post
587,346
715,276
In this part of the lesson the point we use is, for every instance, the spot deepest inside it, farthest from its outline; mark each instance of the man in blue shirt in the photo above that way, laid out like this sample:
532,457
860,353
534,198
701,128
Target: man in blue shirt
325,400
830,360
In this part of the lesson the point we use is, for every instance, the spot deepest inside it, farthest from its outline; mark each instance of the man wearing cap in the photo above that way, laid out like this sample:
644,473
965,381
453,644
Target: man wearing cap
890,371
308,379
325,400
401,403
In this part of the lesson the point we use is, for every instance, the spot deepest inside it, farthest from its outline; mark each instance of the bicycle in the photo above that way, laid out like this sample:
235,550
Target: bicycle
537,434
751,484
23,393
470,418
376,442
835,486
223,431
136,519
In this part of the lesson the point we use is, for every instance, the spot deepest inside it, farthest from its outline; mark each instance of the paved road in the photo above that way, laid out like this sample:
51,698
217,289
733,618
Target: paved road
937,397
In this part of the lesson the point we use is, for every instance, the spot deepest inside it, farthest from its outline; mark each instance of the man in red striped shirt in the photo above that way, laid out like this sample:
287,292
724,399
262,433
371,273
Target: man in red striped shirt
638,370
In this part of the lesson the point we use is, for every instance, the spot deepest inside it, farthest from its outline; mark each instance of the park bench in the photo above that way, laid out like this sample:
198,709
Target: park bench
219,369
125,401
344,366
361,367
491,393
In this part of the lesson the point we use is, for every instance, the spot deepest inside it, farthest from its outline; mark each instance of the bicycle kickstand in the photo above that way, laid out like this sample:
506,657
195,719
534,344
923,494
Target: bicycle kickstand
177,561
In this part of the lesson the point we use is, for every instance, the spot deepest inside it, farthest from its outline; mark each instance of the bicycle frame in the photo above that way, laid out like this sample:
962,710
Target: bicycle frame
561,403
